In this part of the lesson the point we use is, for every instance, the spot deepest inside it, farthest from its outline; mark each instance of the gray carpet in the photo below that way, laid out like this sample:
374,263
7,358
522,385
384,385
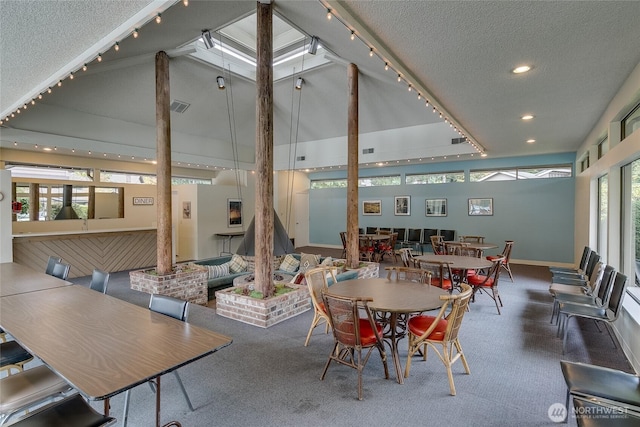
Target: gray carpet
268,378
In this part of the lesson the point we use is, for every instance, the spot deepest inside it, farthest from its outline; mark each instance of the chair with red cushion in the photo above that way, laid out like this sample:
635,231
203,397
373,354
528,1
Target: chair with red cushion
389,247
366,248
441,330
352,334
488,283
316,279
408,274
506,254
441,274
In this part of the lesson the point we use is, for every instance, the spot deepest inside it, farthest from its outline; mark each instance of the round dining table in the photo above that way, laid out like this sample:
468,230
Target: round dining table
458,261
475,245
391,302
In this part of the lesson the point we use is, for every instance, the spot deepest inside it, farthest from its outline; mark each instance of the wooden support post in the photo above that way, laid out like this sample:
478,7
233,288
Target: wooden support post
91,206
264,152
353,253
163,151
34,202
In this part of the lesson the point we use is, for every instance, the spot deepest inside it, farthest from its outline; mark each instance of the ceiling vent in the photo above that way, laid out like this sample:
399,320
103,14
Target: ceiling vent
178,106
455,141
367,151
301,158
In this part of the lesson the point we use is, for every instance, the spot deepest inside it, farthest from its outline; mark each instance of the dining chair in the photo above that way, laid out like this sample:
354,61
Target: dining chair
580,287
366,248
177,309
316,279
426,331
602,385
408,274
30,388
472,239
413,240
13,356
488,283
447,235
372,230
388,248
596,413
426,238
581,266
51,262
562,276
353,334
343,238
61,270
607,314
407,258
99,281
441,274
506,254
401,236
437,243
72,411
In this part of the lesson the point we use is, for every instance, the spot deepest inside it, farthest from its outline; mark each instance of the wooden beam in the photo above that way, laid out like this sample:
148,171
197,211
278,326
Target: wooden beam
353,253
163,148
34,202
264,151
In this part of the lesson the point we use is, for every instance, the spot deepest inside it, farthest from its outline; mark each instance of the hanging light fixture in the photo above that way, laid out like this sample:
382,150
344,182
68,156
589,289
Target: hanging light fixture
299,83
220,81
207,39
313,46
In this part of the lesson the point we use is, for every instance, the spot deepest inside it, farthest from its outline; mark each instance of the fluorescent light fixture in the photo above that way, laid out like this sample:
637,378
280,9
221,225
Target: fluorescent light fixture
285,58
234,54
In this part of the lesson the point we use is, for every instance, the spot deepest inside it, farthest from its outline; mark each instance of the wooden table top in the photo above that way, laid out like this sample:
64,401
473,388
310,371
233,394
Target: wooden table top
457,261
102,345
390,295
17,279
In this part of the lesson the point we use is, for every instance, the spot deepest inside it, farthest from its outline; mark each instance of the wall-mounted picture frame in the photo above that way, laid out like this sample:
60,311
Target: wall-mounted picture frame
435,207
234,212
481,207
371,207
402,205
186,210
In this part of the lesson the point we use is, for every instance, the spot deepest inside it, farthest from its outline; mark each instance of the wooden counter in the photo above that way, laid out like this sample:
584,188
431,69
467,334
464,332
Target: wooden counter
115,250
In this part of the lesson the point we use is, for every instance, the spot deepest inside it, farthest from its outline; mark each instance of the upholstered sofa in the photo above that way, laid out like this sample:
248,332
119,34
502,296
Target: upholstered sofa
221,276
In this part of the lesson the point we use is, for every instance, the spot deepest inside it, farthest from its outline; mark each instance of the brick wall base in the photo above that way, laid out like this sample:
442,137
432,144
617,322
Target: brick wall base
185,283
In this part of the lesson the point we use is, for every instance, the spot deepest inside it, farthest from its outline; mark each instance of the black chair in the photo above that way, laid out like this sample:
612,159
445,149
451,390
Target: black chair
447,235
426,237
177,309
61,270
13,356
607,314
72,411
401,236
372,230
99,281
414,239
583,264
599,414
568,277
53,260
602,385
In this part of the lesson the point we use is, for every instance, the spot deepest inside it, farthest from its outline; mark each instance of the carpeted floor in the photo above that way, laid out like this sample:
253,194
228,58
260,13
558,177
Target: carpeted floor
267,377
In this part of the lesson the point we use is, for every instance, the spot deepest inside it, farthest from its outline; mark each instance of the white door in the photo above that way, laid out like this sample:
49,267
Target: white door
302,219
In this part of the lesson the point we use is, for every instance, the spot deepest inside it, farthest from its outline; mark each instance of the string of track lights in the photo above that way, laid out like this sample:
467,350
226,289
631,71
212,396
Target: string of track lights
116,47
353,35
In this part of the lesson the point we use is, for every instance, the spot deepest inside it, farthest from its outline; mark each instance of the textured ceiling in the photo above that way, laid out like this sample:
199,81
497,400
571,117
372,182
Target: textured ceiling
459,52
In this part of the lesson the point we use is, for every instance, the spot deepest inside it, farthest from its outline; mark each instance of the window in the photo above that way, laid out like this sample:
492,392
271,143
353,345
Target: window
435,178
177,180
492,175
127,178
379,181
630,231
603,214
584,163
631,123
45,172
328,183
559,171
603,147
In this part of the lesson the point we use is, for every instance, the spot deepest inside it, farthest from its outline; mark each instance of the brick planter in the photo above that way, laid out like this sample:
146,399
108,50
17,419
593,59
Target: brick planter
185,283
262,312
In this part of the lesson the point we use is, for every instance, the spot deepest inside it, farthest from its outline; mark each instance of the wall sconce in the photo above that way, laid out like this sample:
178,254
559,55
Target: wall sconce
299,83
313,46
207,39
220,81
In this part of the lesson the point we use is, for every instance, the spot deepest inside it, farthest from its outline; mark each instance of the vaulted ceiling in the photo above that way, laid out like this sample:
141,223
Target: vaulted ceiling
457,54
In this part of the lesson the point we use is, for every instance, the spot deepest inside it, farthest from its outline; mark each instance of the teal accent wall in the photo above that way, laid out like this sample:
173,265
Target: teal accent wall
538,214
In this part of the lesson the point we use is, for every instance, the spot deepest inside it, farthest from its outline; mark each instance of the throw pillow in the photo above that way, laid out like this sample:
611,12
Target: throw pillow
289,264
298,279
308,261
327,262
237,264
216,271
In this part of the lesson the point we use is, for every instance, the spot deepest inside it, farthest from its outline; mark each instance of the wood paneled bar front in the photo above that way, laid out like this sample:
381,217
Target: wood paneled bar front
108,250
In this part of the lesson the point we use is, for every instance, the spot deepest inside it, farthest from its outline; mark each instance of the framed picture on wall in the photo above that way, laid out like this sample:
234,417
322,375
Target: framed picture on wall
402,205
435,207
480,207
371,207
234,212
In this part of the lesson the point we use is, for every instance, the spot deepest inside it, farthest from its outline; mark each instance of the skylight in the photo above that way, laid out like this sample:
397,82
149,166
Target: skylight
234,49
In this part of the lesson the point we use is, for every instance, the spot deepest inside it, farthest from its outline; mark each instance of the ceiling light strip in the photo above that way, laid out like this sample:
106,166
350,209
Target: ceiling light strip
389,61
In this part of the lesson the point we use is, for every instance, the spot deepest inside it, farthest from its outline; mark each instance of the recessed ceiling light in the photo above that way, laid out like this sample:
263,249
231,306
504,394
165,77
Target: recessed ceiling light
527,117
47,149
530,141
521,69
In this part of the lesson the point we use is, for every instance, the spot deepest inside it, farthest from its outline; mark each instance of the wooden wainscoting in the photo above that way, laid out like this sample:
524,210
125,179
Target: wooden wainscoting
108,251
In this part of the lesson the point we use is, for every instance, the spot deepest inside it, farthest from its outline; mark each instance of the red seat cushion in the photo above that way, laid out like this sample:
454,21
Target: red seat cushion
367,335
493,258
441,283
419,324
479,280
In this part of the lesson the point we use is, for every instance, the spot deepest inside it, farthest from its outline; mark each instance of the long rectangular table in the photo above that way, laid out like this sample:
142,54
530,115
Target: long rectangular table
18,279
102,345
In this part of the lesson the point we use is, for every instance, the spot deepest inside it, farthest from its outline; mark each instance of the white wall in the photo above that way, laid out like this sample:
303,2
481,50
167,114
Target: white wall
6,241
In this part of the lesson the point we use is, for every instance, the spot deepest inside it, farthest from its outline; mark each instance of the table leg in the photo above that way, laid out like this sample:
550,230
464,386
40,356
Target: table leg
393,322
106,407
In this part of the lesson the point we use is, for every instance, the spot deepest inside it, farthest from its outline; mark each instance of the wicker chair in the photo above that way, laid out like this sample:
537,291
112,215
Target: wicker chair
488,282
437,245
441,330
406,256
506,254
441,274
316,279
343,237
353,334
409,274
